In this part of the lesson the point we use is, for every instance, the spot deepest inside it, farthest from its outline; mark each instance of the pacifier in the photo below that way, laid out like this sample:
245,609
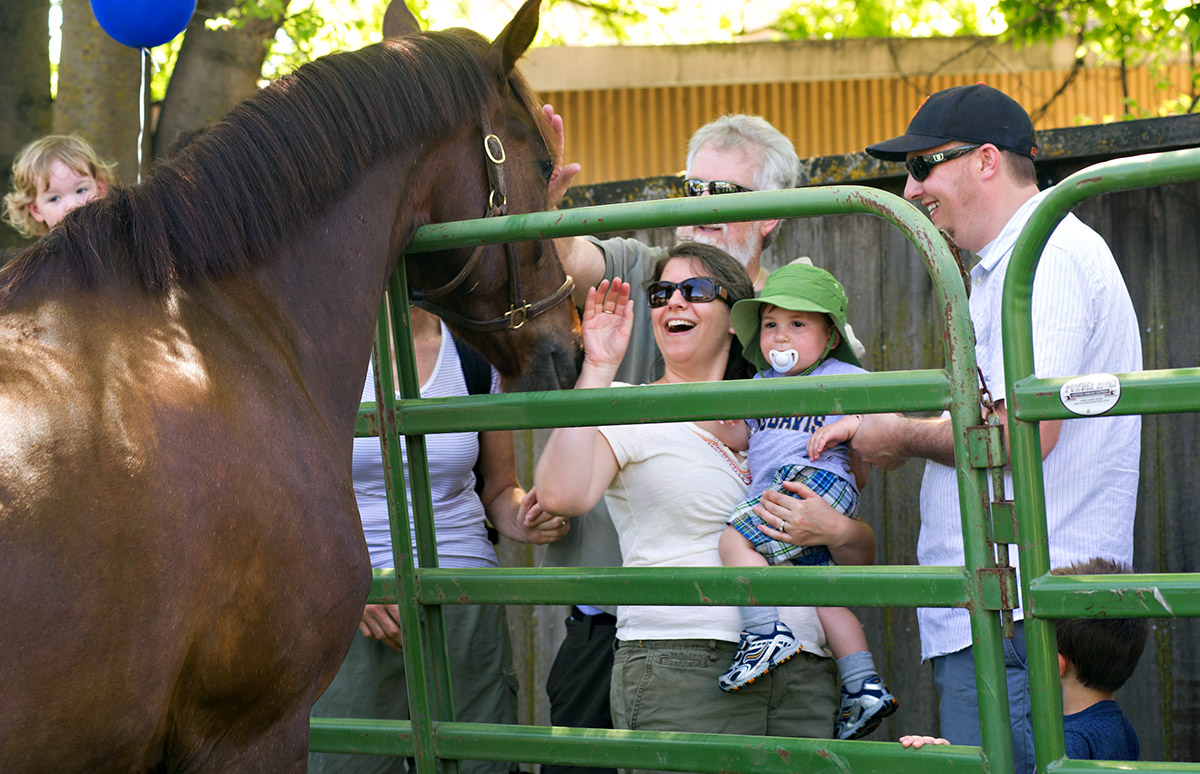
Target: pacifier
783,361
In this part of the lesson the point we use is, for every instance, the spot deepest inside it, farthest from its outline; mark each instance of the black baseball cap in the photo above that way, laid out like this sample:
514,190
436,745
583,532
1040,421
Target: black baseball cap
975,114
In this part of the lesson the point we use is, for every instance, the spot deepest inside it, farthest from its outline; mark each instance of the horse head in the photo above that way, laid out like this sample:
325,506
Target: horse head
531,332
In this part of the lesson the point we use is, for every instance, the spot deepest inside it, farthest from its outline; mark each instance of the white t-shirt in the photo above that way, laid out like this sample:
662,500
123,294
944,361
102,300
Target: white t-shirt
669,500
458,516
1083,323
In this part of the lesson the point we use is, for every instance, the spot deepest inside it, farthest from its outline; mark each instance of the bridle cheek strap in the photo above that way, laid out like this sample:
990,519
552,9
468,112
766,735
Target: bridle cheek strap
519,311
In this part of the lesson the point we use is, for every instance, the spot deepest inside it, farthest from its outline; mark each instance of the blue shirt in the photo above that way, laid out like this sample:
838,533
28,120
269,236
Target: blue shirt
1101,732
779,441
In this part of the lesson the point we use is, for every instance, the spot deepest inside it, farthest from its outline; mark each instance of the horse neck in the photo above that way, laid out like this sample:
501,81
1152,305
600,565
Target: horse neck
325,287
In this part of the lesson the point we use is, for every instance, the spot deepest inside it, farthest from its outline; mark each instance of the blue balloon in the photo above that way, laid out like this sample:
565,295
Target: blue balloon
143,23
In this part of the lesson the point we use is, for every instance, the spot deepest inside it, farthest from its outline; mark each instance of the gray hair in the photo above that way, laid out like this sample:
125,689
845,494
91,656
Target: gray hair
780,164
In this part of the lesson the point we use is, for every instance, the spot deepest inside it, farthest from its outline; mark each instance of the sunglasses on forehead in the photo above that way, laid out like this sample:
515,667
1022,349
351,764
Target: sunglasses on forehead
920,166
695,290
694,186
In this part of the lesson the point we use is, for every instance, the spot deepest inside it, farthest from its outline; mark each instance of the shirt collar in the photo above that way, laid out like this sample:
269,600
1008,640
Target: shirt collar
1001,247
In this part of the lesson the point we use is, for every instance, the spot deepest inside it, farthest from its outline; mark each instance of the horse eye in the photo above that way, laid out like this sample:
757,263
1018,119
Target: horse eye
547,168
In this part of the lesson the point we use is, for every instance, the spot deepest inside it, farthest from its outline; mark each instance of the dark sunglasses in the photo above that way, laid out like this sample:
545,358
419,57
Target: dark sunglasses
694,186
695,290
920,166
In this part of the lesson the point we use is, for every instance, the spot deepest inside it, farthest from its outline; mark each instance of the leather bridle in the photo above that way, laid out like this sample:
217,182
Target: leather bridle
519,311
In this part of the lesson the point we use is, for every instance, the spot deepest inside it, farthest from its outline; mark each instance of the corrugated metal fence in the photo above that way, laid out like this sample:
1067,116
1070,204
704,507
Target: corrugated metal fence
619,134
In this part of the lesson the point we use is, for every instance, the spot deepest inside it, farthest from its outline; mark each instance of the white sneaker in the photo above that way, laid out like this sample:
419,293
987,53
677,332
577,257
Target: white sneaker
758,654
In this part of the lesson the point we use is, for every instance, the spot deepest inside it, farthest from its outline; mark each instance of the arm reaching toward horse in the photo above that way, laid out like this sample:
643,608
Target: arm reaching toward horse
577,464
563,174
579,257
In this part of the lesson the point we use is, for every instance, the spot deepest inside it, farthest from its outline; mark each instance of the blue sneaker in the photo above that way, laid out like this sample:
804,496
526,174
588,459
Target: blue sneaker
863,711
758,654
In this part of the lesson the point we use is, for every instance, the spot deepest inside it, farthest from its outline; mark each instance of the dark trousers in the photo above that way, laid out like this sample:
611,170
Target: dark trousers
579,680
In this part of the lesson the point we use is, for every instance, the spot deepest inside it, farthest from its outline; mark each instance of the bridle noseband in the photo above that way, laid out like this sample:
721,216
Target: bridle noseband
519,311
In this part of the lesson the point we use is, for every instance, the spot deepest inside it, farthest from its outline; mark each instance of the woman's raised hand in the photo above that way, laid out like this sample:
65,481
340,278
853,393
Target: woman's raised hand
607,324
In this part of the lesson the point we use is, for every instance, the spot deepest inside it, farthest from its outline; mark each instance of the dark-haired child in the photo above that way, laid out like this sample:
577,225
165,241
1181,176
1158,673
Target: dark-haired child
1095,658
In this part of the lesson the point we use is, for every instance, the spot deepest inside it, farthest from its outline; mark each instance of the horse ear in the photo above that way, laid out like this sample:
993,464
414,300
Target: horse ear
398,21
512,42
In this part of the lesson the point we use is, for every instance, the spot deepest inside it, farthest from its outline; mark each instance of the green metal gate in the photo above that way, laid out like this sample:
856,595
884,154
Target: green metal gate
985,586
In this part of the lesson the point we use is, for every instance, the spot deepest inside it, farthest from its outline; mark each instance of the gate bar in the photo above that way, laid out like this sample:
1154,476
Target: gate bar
1026,453
958,340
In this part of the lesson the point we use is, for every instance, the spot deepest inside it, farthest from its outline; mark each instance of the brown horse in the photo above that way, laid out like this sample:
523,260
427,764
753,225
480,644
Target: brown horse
181,561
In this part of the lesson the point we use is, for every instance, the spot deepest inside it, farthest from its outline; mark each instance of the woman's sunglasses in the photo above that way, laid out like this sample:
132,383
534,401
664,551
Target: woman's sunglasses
695,290
920,166
694,186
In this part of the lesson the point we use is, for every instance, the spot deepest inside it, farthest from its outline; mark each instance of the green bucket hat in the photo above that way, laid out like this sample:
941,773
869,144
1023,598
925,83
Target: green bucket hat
799,288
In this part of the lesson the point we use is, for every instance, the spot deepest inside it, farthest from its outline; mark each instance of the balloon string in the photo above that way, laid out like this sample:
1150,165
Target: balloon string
142,97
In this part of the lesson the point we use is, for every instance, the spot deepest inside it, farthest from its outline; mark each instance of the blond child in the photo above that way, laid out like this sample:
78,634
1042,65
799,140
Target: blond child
797,327
51,177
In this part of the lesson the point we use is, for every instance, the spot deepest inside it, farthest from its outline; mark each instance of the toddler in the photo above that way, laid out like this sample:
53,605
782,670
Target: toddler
797,327
51,177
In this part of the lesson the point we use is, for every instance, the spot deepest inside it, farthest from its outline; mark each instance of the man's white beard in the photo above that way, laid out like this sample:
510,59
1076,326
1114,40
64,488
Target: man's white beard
744,251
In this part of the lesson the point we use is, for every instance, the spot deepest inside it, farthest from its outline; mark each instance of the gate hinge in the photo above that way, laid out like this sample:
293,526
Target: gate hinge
1003,525
985,447
997,588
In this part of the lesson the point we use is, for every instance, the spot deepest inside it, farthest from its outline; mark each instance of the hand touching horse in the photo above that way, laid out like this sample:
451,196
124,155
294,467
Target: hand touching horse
181,562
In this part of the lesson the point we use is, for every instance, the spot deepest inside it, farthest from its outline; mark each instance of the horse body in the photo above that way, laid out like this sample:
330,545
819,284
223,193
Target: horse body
181,562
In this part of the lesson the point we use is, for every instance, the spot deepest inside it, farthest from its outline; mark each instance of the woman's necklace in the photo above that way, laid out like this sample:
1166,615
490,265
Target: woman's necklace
742,472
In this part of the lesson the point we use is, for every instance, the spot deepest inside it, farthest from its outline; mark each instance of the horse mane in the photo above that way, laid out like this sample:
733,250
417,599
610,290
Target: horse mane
237,191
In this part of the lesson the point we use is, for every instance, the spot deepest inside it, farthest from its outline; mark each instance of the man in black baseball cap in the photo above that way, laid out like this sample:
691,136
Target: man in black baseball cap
979,129
969,152
974,114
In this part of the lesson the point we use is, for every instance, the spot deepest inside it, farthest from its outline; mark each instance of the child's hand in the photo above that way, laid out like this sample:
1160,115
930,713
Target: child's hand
840,431
917,742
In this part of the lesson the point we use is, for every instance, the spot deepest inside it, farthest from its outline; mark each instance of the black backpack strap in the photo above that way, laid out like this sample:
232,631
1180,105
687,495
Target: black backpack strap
477,371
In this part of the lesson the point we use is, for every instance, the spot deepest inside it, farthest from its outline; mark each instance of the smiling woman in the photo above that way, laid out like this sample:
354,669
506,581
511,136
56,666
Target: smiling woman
669,488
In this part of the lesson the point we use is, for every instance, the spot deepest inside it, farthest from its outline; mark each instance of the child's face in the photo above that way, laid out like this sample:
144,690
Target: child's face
64,191
807,333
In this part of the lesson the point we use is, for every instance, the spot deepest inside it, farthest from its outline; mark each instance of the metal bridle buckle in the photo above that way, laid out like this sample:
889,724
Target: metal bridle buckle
519,314
492,206
487,148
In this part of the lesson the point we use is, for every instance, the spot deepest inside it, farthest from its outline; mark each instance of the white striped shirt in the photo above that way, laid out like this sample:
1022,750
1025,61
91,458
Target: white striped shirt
1083,323
458,515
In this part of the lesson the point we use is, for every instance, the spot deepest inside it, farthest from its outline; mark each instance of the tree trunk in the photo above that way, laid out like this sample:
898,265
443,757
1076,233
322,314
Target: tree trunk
214,70
25,105
98,89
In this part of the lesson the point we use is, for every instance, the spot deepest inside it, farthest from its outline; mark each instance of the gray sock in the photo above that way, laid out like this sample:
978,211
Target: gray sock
759,620
855,669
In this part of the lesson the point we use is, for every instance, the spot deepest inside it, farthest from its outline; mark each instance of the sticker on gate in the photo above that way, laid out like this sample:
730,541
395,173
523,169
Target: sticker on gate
1090,395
